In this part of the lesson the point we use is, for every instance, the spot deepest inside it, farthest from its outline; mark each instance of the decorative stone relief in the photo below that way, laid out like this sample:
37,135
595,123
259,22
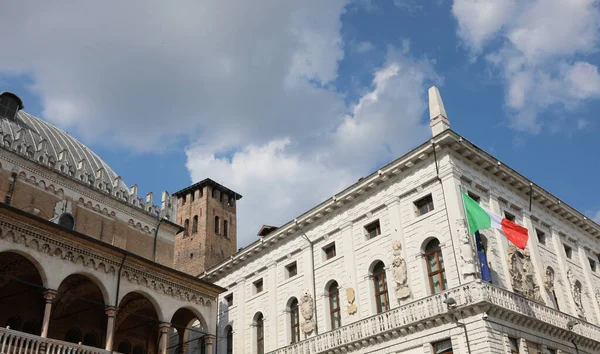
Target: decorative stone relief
549,280
352,308
469,265
307,310
399,272
522,274
575,286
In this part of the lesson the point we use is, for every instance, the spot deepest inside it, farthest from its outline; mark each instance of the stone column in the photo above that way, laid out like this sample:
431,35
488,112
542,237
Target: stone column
164,336
49,296
209,340
111,312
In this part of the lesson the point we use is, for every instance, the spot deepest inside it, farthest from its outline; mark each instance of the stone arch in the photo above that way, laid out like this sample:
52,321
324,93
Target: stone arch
138,321
42,272
106,295
22,287
191,327
228,335
79,304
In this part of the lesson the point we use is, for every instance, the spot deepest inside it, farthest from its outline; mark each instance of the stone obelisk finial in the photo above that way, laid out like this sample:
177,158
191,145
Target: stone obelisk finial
437,113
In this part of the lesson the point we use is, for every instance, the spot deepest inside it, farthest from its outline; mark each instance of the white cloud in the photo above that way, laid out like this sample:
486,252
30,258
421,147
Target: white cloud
363,47
539,48
284,177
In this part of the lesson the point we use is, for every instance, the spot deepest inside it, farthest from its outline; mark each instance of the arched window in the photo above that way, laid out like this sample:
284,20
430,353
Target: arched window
73,336
294,320
380,287
186,227
435,267
229,334
217,221
67,221
124,347
195,224
334,305
260,333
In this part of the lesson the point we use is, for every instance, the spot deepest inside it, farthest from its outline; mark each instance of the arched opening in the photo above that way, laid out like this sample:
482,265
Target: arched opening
259,333
294,319
91,339
380,292
187,334
67,221
436,271
195,224
333,296
136,324
228,340
78,308
21,294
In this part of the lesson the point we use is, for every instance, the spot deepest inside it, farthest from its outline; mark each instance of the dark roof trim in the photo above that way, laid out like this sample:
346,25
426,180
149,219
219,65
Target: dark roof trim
207,182
266,229
109,246
21,106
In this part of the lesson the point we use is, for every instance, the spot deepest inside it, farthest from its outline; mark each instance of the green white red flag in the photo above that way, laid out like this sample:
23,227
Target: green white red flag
480,218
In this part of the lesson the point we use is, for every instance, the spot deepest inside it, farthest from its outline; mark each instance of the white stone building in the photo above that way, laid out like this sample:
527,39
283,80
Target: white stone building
387,266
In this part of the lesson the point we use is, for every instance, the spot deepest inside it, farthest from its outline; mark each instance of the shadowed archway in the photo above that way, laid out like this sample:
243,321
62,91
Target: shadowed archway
136,325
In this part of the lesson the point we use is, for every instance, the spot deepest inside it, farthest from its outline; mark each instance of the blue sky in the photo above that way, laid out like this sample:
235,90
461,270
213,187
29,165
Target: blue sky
280,100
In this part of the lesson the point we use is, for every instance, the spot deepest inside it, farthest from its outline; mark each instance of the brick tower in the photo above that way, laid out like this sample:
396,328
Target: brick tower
207,211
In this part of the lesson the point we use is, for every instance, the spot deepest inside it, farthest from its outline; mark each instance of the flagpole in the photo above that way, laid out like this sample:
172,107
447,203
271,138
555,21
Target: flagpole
475,253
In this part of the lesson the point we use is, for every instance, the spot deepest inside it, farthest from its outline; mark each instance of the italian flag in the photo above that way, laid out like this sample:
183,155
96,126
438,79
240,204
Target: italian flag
480,218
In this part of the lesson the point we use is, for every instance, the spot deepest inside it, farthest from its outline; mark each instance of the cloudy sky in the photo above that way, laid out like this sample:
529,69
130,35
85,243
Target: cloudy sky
288,102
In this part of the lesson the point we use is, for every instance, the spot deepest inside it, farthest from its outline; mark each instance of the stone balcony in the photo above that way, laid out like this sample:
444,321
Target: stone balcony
471,299
15,342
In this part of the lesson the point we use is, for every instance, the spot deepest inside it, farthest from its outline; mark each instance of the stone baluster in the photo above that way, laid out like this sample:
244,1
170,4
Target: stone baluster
49,296
111,312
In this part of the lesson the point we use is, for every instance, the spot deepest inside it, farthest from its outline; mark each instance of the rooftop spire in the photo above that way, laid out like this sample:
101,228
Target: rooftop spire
437,113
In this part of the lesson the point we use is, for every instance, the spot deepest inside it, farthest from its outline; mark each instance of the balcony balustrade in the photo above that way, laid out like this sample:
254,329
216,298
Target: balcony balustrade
15,342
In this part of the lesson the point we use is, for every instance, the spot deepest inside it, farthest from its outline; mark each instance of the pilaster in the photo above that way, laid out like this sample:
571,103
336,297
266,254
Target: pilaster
568,302
502,243
273,309
533,249
347,249
587,273
397,234
240,338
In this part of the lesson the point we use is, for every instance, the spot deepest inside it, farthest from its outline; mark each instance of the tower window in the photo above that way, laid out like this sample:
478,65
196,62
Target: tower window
214,193
9,105
195,224
183,200
217,221
192,196
186,227
225,228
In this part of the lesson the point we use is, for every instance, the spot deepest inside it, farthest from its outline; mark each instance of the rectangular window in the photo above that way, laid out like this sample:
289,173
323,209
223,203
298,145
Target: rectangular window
541,236
329,251
474,196
258,286
568,251
221,195
442,347
183,200
509,216
291,269
514,345
217,226
229,300
214,193
192,196
373,229
200,192
225,228
592,264
424,205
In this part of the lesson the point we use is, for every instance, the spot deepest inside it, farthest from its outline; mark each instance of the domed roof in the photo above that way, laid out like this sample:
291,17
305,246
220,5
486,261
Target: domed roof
44,143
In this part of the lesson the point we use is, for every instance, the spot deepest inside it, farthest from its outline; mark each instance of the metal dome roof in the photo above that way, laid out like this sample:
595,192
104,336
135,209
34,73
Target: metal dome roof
44,143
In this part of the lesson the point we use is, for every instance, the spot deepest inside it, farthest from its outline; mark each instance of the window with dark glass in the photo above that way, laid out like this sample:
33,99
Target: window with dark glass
380,288
592,264
514,345
186,227
424,205
568,251
229,300
442,347
435,267
214,193
258,286
225,228
334,305
229,349
260,334
183,199
373,229
291,269
294,321
541,236
474,196
9,106
195,224
509,216
192,196
329,251
217,222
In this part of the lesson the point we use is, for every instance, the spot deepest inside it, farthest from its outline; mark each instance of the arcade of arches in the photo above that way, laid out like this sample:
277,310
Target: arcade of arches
77,312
